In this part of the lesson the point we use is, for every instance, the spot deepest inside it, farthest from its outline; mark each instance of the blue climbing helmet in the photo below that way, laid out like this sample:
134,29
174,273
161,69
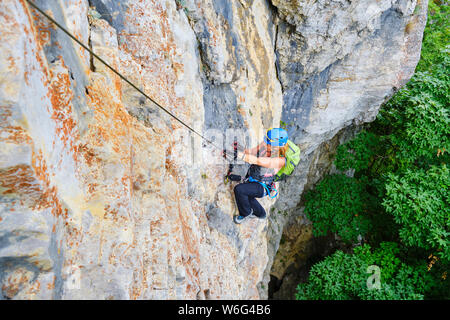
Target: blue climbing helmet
276,137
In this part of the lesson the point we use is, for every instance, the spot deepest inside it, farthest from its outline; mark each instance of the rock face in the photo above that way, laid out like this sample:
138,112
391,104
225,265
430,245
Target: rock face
104,196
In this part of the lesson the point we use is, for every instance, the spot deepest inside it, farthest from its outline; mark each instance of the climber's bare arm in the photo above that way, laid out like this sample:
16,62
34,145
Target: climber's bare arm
266,162
254,151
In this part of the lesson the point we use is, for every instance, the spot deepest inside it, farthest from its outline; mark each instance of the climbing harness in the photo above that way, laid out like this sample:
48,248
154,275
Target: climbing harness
263,176
267,188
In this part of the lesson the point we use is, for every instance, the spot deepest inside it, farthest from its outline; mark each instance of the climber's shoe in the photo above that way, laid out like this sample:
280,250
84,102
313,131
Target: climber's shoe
239,219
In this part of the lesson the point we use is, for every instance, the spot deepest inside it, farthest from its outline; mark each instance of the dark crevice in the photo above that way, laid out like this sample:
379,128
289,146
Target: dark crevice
274,285
204,66
91,57
277,62
298,272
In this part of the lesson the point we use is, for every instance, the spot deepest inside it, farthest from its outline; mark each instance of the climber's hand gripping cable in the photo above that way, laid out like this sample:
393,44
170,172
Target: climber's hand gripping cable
229,176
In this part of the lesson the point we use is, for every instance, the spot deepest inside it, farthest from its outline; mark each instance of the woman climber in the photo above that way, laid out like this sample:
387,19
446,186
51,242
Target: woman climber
272,160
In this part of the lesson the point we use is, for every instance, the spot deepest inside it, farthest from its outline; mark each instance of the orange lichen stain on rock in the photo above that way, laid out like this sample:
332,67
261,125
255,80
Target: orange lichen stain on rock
9,132
18,179
157,38
213,31
51,285
8,19
88,154
42,26
20,182
139,283
16,281
190,242
34,37
170,165
49,198
110,211
111,125
61,97
34,288
12,63
108,132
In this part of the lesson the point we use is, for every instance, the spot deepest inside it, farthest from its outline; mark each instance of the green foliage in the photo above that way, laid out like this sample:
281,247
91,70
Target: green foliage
386,257
338,277
409,283
356,153
399,191
436,36
338,204
344,276
419,116
420,202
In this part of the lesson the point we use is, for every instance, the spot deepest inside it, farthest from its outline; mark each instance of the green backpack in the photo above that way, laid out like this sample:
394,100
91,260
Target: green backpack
292,160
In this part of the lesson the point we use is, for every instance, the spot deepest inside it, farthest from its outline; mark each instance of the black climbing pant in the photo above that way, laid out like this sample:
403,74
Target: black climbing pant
245,194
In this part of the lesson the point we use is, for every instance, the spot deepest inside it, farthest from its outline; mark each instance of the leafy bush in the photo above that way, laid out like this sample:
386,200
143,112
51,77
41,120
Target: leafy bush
436,35
409,283
399,191
356,153
338,277
386,257
338,204
419,115
420,202
344,276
